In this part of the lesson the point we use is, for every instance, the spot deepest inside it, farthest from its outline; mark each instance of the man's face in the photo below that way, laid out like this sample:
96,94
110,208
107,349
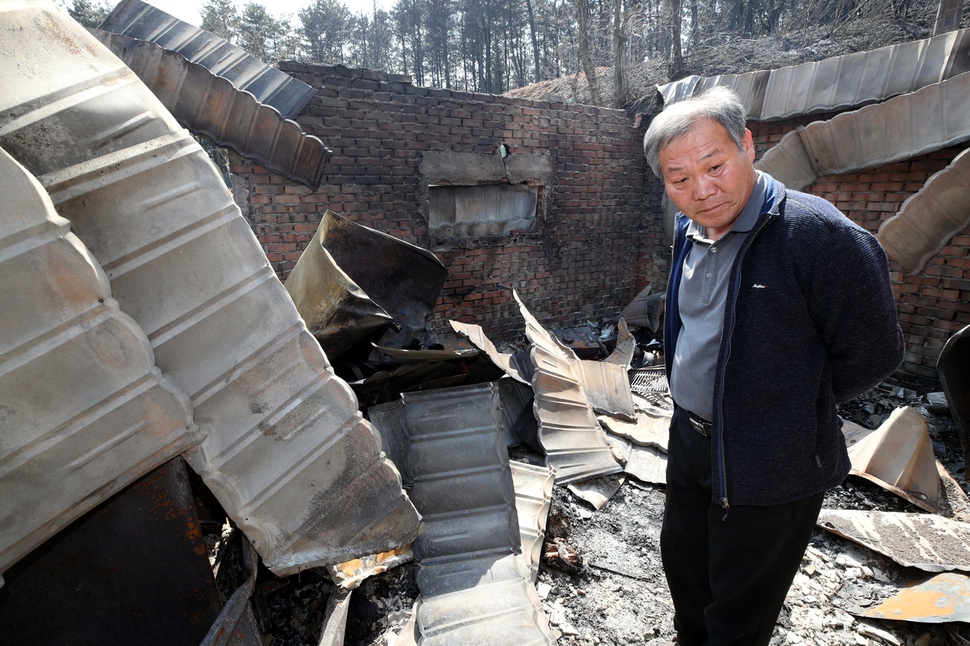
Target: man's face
707,176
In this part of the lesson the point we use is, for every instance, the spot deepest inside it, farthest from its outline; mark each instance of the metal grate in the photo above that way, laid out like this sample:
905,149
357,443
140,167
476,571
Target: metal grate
651,384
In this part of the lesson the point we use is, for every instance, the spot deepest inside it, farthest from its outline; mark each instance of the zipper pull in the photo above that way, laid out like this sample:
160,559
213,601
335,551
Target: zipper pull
727,508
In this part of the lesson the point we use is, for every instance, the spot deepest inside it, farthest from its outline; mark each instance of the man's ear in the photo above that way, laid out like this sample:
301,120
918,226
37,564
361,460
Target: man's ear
747,142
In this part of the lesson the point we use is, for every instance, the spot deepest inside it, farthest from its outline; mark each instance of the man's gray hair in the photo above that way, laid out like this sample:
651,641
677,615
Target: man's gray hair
718,103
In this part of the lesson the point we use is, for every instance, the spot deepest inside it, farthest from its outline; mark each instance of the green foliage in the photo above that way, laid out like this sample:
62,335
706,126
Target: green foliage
88,13
221,18
326,31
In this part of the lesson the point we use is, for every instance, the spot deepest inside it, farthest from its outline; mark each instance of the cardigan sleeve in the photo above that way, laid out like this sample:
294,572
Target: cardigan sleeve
852,302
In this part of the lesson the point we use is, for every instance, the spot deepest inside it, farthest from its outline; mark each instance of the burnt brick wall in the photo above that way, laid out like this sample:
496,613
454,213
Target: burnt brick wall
932,304
599,237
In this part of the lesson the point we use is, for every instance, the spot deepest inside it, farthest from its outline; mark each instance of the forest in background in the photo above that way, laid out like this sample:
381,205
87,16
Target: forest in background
497,46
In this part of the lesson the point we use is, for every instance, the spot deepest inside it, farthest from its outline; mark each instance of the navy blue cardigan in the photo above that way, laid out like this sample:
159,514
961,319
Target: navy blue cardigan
810,321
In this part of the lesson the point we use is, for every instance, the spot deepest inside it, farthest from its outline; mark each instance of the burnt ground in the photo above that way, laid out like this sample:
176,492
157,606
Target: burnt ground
619,596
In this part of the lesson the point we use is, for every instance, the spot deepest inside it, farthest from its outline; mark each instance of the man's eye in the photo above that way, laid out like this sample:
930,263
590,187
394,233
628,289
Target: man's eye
715,168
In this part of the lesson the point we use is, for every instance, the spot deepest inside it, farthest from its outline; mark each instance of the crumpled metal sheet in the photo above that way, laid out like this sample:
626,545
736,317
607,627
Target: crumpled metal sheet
210,105
598,491
134,571
905,126
137,19
942,598
402,278
533,495
626,345
236,624
286,451
350,574
645,310
520,423
929,218
648,430
952,366
336,310
388,418
573,440
608,388
898,456
506,362
645,463
925,541
839,82
85,410
503,609
474,587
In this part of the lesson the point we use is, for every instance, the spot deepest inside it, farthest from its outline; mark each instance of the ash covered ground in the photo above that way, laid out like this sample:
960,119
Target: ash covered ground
619,595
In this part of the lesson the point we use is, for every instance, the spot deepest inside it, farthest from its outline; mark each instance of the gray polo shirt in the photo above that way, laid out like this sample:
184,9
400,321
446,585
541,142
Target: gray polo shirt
702,297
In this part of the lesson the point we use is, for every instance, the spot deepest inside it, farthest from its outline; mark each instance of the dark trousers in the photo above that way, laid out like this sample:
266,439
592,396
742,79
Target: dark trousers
729,572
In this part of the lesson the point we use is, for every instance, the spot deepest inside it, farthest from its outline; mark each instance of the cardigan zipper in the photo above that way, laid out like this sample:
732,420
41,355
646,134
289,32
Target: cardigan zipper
718,423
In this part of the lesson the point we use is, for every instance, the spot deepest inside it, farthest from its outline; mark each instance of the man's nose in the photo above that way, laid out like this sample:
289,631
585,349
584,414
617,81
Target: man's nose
703,188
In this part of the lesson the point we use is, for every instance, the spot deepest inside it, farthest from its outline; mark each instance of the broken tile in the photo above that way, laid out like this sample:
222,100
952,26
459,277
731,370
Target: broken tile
898,456
925,541
573,440
186,266
85,410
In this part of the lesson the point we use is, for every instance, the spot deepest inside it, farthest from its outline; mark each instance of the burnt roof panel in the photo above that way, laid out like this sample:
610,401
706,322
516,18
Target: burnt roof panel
210,105
185,264
140,20
837,83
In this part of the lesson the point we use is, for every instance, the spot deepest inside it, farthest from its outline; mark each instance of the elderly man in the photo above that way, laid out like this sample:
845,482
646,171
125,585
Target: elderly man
778,308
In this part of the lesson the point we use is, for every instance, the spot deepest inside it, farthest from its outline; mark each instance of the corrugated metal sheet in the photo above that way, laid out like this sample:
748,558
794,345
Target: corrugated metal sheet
137,19
925,541
929,218
598,491
568,431
955,378
926,120
520,422
648,430
401,277
85,410
533,495
645,463
286,452
898,456
626,346
210,105
506,362
474,588
608,388
336,310
840,82
942,598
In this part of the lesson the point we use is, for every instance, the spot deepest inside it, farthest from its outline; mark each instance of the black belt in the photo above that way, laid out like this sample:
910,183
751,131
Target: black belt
700,424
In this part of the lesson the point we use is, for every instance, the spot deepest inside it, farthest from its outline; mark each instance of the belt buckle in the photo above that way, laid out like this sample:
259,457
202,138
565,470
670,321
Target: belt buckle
698,425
